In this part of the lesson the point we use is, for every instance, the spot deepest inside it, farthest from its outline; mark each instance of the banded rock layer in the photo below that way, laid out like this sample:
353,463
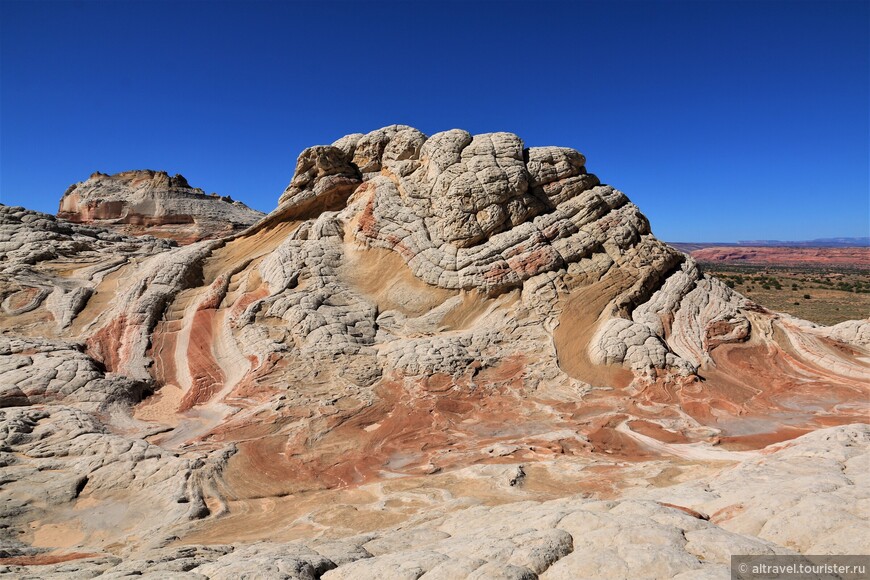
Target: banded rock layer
423,325
153,202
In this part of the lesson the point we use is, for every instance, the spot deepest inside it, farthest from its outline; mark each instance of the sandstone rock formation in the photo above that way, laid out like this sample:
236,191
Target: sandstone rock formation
440,357
571,537
152,202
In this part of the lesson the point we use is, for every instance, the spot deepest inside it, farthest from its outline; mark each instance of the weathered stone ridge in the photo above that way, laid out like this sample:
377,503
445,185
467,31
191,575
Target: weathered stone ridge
153,202
483,212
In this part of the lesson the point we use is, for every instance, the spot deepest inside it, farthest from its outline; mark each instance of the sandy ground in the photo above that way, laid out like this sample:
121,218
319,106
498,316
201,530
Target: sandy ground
162,407
61,535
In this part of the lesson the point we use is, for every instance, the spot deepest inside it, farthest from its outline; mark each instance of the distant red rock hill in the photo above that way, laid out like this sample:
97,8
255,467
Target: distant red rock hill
783,256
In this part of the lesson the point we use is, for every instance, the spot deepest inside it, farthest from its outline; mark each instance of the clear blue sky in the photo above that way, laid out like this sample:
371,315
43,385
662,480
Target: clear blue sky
721,120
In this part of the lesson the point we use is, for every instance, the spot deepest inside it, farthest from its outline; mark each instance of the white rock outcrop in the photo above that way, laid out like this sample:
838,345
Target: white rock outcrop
145,201
440,356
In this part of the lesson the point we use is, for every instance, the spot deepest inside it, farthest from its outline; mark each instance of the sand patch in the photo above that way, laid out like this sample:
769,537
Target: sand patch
161,407
384,278
60,535
582,310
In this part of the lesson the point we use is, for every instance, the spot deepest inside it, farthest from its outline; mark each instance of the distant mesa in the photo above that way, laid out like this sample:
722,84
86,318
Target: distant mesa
859,242
153,202
857,256
784,256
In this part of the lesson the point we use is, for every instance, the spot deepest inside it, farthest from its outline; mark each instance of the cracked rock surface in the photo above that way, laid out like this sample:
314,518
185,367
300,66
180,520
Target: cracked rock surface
440,356
570,537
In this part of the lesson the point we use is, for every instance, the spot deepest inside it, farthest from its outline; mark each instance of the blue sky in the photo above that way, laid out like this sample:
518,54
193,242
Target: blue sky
721,120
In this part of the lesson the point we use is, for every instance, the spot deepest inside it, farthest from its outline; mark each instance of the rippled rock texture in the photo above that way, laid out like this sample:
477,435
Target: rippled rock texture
441,357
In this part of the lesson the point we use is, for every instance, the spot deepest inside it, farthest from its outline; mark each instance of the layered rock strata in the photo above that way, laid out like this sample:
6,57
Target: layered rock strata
153,202
571,537
424,325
